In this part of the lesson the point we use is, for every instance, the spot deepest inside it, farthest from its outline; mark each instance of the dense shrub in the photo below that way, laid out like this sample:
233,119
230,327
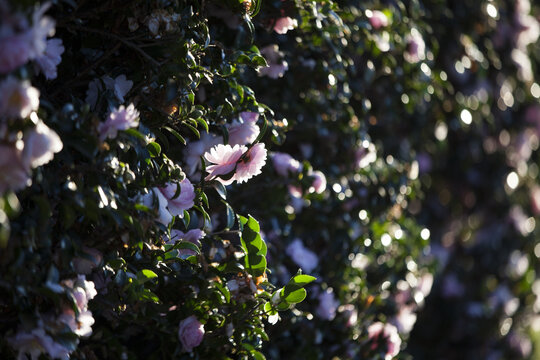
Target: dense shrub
280,179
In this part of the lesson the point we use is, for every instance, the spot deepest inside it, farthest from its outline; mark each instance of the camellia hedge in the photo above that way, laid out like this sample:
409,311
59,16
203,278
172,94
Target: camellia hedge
269,179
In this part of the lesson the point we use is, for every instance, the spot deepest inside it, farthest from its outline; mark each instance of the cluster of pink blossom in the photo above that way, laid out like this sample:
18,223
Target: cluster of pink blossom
39,340
284,24
243,161
119,119
170,205
22,41
190,333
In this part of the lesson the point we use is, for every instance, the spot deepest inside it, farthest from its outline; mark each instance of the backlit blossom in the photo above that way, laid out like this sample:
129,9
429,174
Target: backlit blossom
284,24
251,163
14,175
42,27
190,333
119,119
385,334
184,201
49,60
378,19
302,256
224,159
246,131
416,47
328,305
18,98
40,145
284,164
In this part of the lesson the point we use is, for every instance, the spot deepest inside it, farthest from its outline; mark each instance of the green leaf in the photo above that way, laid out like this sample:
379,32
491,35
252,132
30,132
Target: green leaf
146,275
230,215
295,296
221,190
253,245
154,149
186,218
176,134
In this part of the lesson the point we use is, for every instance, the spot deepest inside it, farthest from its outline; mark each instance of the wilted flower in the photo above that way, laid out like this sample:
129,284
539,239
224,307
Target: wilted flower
416,47
303,257
245,132
184,201
40,145
49,60
251,163
18,98
386,334
378,19
190,333
276,67
224,159
285,164
284,24
328,305
119,119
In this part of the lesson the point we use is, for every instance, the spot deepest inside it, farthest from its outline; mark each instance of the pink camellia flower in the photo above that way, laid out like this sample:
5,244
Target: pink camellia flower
276,66
387,334
319,182
378,19
190,333
328,305
40,145
224,159
119,119
37,342
196,149
416,47
18,98
284,24
49,60
14,50
303,257
245,132
184,201
164,216
13,174
284,164
251,163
